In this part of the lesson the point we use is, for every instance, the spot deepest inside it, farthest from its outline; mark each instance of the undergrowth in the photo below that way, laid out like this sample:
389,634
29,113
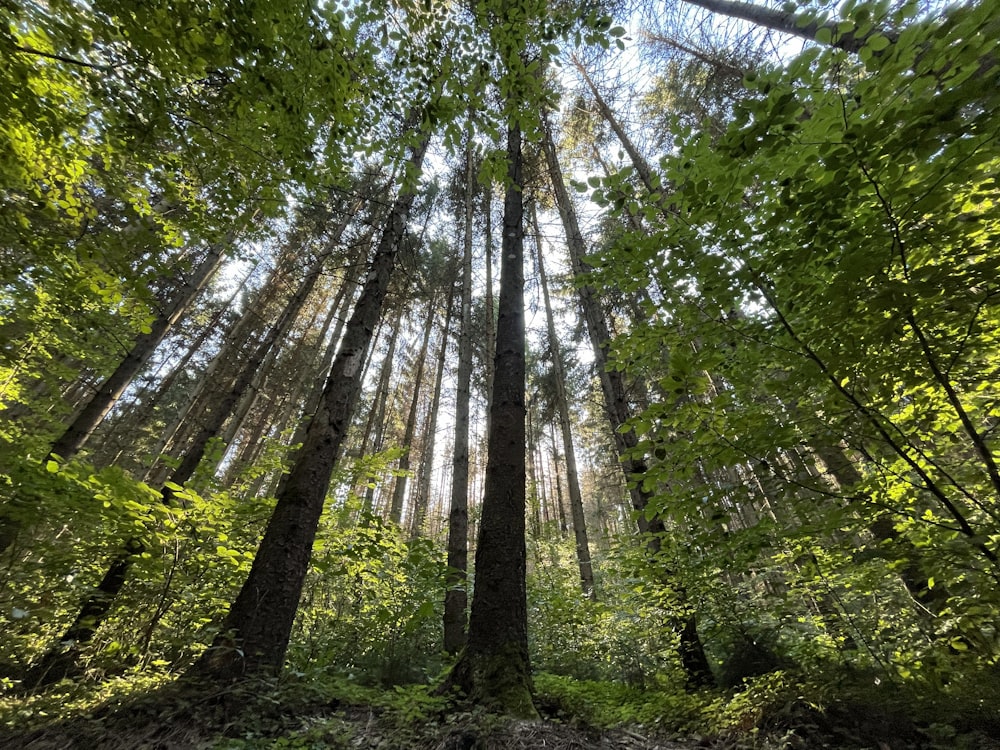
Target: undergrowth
322,710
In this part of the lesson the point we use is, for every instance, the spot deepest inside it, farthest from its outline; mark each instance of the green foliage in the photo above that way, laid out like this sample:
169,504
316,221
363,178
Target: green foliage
75,520
613,638
813,316
822,341
67,699
374,604
609,704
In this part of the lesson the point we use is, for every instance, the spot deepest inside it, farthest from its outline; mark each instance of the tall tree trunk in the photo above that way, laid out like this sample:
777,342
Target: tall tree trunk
788,23
430,430
489,318
562,405
299,366
374,434
456,596
60,660
223,408
163,386
556,461
235,339
254,635
107,395
494,669
340,307
534,496
315,374
691,652
399,489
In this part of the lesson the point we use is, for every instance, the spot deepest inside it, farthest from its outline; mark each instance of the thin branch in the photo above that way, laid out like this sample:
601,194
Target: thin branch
62,58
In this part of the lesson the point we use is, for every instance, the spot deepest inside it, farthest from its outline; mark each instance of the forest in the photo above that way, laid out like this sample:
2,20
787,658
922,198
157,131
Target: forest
458,374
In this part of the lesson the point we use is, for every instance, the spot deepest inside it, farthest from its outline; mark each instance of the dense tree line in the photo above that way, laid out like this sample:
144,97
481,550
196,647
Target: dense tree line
688,342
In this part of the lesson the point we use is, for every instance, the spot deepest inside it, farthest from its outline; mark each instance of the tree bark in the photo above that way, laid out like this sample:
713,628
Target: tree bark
787,23
569,453
399,489
73,438
59,661
494,670
375,425
691,652
254,635
490,317
430,430
456,597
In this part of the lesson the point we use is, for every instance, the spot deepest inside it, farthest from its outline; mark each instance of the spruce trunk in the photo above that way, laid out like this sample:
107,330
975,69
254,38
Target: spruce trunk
494,670
72,440
562,405
254,635
456,598
399,489
691,650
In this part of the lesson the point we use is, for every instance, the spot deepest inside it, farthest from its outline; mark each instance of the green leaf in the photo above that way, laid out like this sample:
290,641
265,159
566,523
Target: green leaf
877,42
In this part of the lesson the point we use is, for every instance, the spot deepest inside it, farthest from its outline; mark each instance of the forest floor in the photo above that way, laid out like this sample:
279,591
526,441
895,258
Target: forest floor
175,717
364,729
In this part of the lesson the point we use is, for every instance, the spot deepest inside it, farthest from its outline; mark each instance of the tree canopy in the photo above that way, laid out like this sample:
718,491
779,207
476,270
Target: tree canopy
680,320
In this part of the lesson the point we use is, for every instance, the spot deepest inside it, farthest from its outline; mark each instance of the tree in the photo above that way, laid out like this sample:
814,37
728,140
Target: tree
456,597
851,37
616,404
493,669
254,635
562,406
61,659
107,395
822,348
399,489
423,490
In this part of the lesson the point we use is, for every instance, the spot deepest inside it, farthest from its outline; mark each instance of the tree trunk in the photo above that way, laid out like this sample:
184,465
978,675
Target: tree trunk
691,652
103,400
254,635
556,461
315,376
399,489
569,453
341,304
787,23
376,415
534,497
222,409
98,604
107,395
490,317
62,660
427,455
456,595
494,669
238,336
